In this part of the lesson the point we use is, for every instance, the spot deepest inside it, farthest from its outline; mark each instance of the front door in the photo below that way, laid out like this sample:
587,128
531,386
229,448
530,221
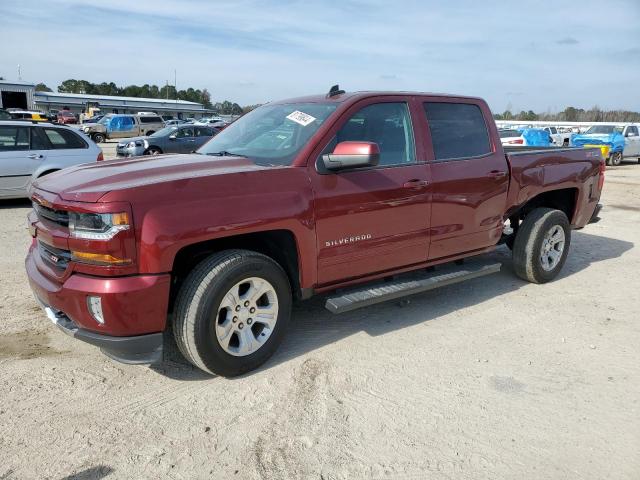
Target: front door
374,219
185,140
469,176
18,160
631,142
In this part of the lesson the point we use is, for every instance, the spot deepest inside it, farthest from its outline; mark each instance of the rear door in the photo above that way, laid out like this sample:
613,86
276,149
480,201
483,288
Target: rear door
65,148
469,176
17,160
376,219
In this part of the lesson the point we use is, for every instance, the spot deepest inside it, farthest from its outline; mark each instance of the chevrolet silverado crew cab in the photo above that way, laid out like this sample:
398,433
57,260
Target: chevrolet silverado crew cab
349,195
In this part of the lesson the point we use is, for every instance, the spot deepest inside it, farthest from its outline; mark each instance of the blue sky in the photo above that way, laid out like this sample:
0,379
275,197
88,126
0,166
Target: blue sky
540,55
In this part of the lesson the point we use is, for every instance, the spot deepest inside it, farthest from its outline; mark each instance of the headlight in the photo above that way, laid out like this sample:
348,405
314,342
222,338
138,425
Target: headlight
97,226
86,129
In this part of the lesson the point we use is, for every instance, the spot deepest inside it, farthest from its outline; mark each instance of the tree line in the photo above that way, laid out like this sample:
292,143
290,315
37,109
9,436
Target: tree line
572,114
146,91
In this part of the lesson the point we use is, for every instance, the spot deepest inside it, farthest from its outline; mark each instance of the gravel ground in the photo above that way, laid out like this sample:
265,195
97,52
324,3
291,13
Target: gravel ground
493,378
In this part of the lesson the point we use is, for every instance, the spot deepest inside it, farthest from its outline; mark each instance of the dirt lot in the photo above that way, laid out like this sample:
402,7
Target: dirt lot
494,378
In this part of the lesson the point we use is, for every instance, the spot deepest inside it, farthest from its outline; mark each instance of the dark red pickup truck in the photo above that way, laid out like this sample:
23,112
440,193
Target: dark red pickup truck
352,195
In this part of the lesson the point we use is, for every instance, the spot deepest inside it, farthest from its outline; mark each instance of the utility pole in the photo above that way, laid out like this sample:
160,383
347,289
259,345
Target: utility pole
175,82
167,89
19,73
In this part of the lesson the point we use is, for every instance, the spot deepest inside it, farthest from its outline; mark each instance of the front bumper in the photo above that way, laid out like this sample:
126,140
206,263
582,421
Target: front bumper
134,309
595,218
124,151
145,349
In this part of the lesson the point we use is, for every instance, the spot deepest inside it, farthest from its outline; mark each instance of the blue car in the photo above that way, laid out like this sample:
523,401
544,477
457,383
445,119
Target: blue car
174,139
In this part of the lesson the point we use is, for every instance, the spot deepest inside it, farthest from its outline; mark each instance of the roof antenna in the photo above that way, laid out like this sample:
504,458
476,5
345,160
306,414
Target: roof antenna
335,91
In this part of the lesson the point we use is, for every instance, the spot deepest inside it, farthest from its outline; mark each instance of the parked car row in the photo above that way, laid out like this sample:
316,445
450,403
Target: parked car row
172,139
622,141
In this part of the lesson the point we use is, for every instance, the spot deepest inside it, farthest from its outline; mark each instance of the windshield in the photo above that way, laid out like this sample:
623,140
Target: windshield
163,132
104,120
271,134
604,129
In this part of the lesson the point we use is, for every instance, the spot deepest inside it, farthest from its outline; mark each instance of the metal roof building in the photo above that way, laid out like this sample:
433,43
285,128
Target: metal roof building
16,95
77,102
22,95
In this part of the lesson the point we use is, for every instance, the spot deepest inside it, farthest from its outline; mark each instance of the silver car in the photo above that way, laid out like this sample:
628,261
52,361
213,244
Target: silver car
31,150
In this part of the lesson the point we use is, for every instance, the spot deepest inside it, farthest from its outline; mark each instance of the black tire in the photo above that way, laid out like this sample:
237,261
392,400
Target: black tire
153,151
528,245
149,133
616,159
47,173
198,301
98,137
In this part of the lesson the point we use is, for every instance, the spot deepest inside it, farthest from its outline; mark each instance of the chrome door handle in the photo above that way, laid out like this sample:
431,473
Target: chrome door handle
34,155
415,184
496,174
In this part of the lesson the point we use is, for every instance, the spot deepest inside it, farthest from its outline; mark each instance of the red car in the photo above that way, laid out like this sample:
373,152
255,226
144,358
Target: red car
351,196
66,117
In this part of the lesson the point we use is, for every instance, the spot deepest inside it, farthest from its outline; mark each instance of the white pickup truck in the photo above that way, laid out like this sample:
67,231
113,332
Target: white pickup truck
560,139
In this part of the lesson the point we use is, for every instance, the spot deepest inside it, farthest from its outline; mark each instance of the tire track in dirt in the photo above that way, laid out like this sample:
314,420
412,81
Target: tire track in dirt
308,434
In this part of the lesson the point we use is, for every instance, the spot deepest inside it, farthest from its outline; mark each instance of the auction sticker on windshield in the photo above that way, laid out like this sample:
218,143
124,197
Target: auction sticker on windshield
301,118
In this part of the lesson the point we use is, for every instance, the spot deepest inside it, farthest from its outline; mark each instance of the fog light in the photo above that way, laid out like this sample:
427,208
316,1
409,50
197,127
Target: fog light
94,304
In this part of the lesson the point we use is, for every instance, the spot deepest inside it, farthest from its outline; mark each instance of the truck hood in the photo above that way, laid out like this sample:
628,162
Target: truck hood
614,140
90,182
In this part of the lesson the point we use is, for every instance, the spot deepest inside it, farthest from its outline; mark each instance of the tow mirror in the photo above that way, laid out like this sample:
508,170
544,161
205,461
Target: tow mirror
352,155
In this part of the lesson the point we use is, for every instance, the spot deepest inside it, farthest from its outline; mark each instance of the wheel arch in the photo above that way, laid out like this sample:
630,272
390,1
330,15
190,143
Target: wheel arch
280,245
564,199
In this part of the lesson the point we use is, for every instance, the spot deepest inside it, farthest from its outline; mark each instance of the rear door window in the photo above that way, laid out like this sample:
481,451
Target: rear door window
458,130
61,138
14,139
150,119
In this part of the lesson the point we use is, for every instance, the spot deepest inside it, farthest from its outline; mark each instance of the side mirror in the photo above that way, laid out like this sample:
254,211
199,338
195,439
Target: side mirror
631,134
352,155
172,136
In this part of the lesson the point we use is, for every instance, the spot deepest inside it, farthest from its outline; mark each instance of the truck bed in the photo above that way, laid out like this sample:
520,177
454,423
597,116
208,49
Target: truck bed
515,150
536,170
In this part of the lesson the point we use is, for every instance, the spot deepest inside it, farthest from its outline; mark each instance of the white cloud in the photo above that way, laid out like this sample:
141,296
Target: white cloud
252,51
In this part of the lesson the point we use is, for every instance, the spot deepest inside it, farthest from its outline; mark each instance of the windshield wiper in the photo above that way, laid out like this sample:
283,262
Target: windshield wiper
224,153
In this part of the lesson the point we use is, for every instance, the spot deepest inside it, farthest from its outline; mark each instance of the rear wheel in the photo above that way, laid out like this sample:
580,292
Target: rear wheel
232,312
541,245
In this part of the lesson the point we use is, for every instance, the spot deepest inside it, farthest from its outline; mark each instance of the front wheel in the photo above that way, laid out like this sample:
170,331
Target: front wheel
98,137
541,245
616,158
153,151
232,312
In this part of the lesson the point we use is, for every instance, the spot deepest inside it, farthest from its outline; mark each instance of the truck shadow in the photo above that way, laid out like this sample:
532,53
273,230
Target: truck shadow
313,327
15,203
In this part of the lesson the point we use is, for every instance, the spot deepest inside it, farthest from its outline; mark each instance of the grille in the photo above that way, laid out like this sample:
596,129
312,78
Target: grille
60,217
55,257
